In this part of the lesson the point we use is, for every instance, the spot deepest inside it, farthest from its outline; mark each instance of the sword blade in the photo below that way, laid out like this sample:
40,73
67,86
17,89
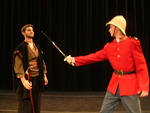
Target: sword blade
54,44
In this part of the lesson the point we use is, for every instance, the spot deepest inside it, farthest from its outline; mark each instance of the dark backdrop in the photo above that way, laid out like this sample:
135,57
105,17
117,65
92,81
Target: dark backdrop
78,28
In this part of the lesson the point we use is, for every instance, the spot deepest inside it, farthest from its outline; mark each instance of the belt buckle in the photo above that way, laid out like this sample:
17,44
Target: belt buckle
121,73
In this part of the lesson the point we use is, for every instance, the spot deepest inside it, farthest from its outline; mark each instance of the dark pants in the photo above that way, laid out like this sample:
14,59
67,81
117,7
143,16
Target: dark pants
130,103
25,105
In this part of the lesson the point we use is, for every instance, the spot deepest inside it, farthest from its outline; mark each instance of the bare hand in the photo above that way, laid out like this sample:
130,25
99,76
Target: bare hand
45,80
143,93
26,83
70,60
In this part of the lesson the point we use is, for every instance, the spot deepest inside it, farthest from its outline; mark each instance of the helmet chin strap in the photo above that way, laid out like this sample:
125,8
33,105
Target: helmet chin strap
114,35
114,32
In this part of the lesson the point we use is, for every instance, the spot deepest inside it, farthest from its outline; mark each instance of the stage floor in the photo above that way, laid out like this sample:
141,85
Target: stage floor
65,102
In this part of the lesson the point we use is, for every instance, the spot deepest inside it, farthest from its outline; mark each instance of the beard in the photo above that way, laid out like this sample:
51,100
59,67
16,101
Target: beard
29,36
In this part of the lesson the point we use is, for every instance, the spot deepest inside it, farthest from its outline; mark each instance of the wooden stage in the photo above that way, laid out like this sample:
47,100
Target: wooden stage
65,102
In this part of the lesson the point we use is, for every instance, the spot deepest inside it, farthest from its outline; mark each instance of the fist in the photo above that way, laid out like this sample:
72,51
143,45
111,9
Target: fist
70,60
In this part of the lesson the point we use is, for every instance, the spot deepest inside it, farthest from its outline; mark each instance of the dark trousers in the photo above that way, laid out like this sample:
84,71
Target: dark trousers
130,103
25,105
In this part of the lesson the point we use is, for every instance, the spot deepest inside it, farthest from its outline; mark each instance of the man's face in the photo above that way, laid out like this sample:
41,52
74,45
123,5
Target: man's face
29,32
112,30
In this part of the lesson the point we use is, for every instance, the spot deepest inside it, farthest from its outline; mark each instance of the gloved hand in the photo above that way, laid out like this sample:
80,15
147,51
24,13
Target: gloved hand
70,60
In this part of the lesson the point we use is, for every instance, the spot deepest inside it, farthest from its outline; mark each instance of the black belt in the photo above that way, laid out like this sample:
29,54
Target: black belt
123,73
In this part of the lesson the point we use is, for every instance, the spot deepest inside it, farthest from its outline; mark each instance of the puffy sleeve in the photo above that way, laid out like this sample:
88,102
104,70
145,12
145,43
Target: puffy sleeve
44,67
18,67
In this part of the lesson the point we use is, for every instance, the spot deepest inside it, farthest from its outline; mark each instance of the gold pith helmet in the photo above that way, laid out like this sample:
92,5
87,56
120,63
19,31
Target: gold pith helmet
118,21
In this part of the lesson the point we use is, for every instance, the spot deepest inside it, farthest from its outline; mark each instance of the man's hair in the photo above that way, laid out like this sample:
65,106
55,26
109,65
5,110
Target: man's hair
25,26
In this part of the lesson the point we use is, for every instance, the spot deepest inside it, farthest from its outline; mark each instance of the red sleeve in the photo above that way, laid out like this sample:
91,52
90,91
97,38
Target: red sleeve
141,66
91,58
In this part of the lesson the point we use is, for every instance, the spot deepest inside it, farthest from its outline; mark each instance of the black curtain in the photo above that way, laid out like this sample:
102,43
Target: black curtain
78,28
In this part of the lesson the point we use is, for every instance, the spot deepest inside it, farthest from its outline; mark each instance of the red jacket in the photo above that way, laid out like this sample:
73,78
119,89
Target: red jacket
126,56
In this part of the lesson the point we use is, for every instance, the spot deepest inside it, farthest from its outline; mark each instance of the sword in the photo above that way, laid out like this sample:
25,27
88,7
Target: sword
31,94
56,46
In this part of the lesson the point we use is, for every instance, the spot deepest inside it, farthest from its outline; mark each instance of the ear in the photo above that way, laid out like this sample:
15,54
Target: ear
23,33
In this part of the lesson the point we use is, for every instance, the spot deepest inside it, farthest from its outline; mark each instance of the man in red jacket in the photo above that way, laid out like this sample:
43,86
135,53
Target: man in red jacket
130,79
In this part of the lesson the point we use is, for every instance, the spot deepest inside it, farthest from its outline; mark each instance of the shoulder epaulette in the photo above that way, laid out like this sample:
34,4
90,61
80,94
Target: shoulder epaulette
136,38
18,53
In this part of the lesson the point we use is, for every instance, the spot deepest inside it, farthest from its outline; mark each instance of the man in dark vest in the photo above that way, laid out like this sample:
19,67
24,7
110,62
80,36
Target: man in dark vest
29,72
